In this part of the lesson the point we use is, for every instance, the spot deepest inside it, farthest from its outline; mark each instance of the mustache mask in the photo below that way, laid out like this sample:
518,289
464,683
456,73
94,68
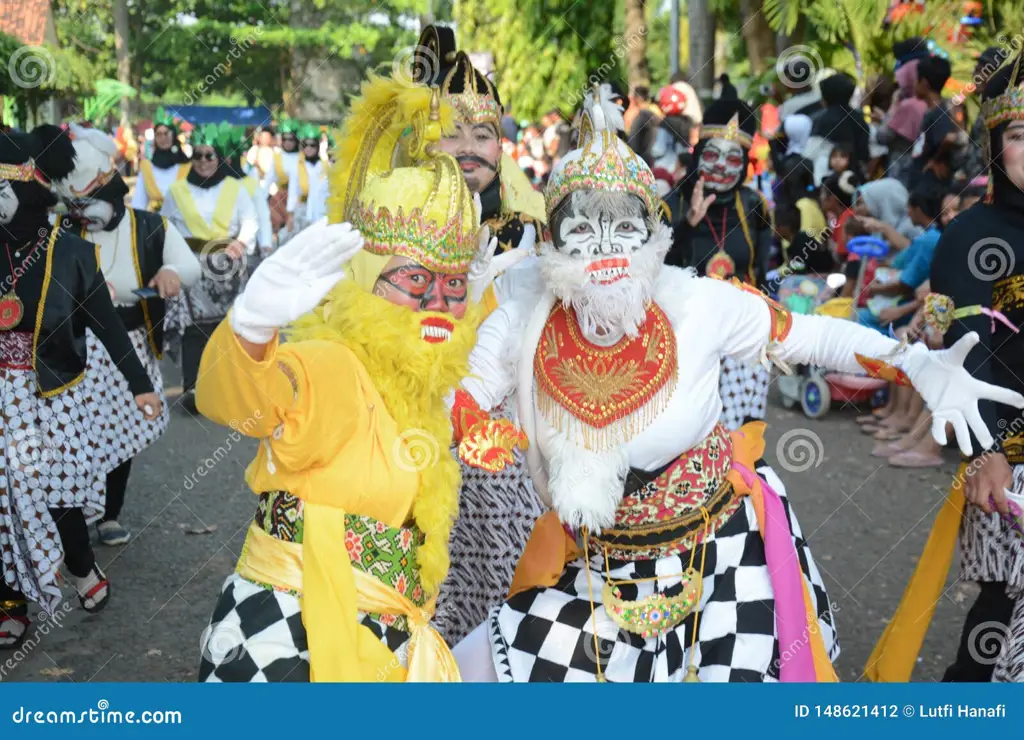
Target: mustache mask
466,158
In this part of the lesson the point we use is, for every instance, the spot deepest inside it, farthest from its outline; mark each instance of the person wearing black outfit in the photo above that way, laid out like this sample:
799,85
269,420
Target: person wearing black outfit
977,280
725,231
52,452
841,124
137,250
937,142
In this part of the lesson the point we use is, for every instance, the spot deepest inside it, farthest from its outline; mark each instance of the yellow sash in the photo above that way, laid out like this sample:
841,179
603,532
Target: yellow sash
341,649
517,194
279,170
895,655
221,224
156,198
250,184
303,179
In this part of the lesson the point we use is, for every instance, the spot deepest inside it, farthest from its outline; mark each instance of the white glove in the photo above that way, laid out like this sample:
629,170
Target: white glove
951,393
294,279
486,267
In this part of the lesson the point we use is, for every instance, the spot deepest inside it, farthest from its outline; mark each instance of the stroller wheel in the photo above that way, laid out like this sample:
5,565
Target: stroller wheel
815,397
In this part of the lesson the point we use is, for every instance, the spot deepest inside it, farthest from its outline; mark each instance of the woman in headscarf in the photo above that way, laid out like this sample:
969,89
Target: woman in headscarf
218,219
979,290
882,208
167,165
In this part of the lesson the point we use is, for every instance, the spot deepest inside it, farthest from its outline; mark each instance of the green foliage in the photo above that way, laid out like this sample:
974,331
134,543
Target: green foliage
241,51
108,95
545,51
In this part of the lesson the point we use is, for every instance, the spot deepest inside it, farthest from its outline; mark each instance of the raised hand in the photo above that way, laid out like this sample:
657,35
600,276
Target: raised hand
294,279
952,394
699,203
486,267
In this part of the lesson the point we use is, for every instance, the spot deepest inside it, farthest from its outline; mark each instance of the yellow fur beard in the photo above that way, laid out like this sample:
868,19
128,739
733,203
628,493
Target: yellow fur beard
413,377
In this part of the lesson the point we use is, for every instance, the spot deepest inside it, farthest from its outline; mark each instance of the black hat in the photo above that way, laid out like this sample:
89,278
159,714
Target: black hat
436,61
44,156
729,118
1001,103
910,49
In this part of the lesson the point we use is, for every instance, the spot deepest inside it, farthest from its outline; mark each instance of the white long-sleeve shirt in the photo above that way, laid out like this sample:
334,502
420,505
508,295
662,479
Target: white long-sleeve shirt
711,319
314,171
164,178
316,203
244,221
118,264
265,235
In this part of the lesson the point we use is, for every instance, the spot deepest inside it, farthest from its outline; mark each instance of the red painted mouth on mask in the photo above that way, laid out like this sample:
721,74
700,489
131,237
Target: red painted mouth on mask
609,270
435,330
719,178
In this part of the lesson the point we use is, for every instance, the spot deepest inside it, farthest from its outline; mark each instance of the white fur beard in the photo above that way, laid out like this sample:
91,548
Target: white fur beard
586,487
620,305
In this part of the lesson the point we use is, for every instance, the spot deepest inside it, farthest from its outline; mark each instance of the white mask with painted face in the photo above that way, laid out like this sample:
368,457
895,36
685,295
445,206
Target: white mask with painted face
94,214
604,262
8,202
721,165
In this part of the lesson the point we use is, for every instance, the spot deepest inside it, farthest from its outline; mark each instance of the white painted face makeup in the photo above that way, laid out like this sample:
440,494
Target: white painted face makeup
721,164
8,202
605,243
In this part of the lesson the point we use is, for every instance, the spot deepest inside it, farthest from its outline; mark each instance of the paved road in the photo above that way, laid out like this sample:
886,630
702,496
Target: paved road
188,508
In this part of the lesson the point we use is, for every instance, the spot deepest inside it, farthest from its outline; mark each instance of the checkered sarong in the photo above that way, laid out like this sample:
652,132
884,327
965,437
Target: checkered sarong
744,391
547,634
256,635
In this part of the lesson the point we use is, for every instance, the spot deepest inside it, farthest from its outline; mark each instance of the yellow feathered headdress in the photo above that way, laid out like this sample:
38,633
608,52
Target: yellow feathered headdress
390,182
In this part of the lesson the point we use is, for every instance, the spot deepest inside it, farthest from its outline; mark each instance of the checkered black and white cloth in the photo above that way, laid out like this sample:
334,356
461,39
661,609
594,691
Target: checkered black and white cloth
744,392
547,634
256,635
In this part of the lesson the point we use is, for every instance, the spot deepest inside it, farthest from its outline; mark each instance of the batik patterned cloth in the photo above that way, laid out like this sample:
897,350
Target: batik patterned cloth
744,392
497,512
126,431
52,455
256,633
1002,541
547,634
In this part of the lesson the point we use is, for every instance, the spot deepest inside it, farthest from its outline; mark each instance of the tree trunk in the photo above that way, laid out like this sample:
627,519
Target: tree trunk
124,56
702,47
757,34
638,73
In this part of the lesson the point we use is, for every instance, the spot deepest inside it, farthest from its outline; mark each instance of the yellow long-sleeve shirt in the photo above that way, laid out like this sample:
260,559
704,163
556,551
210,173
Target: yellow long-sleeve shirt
328,439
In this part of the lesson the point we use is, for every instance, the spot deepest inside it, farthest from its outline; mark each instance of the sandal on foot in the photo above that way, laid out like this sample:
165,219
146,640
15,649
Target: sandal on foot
91,585
915,459
10,636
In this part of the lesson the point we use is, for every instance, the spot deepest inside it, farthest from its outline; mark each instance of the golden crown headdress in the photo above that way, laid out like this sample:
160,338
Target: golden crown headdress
1009,106
602,161
731,131
436,61
425,211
